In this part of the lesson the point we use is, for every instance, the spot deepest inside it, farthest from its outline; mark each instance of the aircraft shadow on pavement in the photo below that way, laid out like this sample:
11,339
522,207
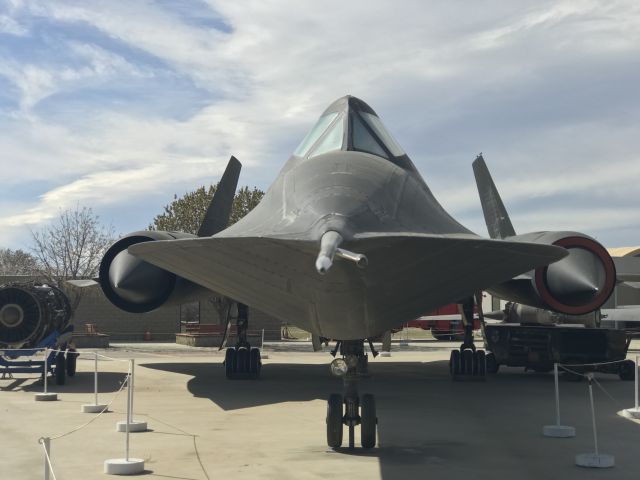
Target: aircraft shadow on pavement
425,420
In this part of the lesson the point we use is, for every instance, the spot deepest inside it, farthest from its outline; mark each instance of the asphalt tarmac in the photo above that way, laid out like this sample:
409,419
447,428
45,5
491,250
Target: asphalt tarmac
205,427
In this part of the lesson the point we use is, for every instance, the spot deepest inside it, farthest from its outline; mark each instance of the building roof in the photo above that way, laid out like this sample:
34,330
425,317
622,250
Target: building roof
624,251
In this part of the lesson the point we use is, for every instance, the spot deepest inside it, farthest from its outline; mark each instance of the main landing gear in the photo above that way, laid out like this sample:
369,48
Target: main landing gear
469,362
350,408
243,360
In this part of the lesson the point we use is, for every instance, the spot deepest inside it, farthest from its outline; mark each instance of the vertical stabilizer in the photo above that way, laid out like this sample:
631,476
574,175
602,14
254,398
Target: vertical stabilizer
217,216
495,215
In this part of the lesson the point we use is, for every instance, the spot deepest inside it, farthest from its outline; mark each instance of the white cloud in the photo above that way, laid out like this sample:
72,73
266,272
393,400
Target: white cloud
448,79
10,26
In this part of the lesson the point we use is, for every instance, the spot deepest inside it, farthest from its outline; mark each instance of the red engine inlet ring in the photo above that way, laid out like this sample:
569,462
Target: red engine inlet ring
609,284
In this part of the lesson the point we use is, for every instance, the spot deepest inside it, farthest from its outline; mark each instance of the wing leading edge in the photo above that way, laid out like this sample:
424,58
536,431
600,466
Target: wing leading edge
408,274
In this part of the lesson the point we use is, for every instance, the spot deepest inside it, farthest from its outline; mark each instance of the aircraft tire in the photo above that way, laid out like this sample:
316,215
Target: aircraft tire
334,420
467,359
254,362
230,363
368,421
480,364
60,369
72,357
454,363
242,360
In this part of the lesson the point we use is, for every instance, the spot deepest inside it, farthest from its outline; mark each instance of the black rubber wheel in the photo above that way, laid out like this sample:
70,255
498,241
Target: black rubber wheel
368,421
72,357
627,370
466,361
480,364
230,363
334,420
492,365
454,363
254,362
60,369
242,360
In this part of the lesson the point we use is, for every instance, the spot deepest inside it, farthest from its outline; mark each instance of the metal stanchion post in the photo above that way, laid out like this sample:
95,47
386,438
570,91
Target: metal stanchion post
46,441
558,430
96,407
46,368
126,465
635,411
46,395
596,459
132,425
95,377
262,354
129,405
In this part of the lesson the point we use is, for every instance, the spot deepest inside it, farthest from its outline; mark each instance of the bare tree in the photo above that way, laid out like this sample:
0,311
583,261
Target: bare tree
71,248
17,262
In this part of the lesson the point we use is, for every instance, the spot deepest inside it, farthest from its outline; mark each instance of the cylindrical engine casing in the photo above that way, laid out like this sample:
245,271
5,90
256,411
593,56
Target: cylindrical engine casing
31,311
143,287
542,287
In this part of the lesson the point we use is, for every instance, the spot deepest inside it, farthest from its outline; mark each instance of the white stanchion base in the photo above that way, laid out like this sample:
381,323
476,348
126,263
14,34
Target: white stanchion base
91,408
385,354
558,431
46,397
632,412
122,466
591,460
134,426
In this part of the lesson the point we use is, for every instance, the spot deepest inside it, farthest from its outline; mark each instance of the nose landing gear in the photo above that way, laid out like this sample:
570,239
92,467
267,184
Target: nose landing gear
351,409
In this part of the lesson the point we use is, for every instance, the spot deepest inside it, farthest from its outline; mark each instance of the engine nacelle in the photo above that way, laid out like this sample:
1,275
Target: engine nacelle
31,311
578,284
136,286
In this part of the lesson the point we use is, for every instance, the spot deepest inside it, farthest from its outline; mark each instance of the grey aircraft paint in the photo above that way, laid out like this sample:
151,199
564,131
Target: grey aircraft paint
349,203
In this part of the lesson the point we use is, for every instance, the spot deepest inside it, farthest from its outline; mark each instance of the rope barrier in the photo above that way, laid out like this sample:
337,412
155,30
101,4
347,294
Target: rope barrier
185,433
595,363
106,408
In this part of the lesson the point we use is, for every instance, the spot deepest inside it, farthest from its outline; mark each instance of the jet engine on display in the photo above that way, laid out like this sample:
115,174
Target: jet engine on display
29,312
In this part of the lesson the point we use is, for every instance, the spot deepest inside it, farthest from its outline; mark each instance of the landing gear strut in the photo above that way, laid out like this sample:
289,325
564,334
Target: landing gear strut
350,408
243,360
469,362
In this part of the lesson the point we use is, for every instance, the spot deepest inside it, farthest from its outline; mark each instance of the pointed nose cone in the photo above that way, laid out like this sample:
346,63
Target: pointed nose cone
577,279
136,280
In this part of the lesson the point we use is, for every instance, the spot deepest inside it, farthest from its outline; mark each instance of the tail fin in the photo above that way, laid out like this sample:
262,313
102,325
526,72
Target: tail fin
217,216
495,215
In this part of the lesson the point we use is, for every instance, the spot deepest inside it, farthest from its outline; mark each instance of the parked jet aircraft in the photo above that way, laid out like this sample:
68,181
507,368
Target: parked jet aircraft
347,243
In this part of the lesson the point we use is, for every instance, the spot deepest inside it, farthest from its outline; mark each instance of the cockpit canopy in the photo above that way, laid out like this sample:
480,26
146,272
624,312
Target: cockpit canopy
350,124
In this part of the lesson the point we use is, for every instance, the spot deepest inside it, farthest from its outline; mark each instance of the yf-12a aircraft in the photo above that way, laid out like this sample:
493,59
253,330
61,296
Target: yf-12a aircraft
347,243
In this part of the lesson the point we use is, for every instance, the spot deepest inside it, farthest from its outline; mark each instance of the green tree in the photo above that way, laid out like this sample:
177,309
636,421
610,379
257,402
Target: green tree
185,214
17,262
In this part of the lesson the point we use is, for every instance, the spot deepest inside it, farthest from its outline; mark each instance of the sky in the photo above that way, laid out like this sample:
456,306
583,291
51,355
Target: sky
118,105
